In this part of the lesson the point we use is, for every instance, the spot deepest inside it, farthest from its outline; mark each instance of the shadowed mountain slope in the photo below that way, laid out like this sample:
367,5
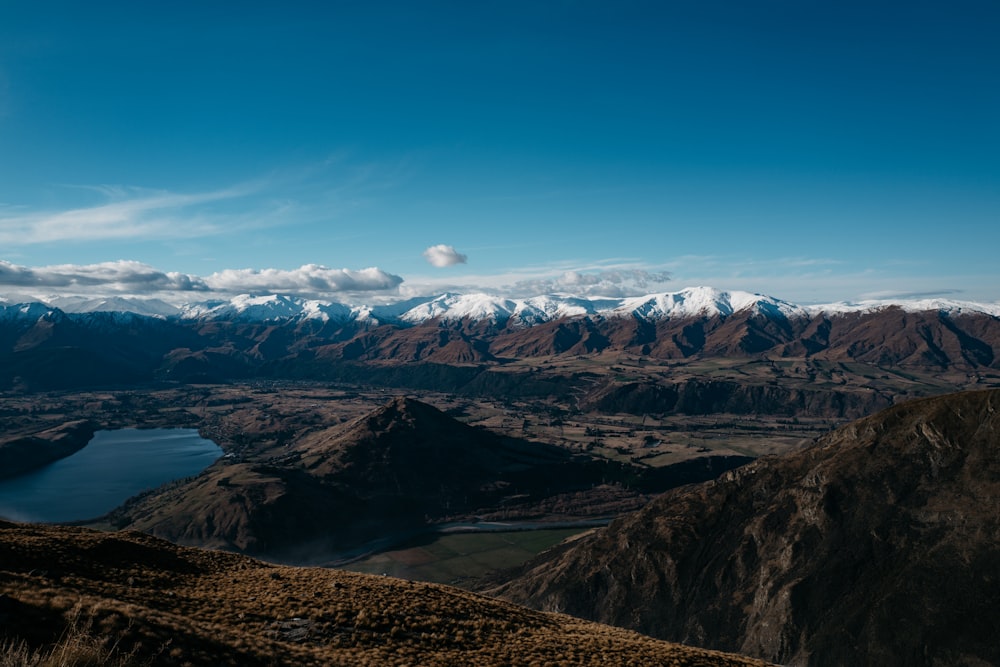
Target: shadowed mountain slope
420,446
19,454
44,349
878,545
169,605
400,469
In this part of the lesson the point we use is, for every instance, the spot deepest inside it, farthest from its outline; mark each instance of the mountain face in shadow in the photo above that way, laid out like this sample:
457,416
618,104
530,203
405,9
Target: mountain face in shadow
400,469
880,544
43,348
19,454
409,447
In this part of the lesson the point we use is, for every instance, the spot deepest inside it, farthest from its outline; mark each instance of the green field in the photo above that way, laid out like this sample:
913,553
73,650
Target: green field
455,558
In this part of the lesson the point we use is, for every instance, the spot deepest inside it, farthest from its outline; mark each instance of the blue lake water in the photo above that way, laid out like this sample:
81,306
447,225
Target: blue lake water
114,466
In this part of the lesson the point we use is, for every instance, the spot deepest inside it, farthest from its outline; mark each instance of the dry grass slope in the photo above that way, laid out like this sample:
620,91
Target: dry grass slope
80,645
157,603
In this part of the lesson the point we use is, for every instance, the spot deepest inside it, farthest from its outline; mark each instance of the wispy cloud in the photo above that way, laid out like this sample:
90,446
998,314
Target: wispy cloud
613,282
820,280
301,195
881,295
805,280
442,255
612,278
131,213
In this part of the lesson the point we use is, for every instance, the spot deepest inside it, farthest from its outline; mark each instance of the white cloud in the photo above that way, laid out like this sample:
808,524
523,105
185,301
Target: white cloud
309,278
120,276
614,278
442,255
129,277
606,282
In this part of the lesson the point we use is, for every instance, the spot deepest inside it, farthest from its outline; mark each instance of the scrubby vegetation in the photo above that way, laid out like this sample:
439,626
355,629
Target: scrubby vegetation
167,605
80,645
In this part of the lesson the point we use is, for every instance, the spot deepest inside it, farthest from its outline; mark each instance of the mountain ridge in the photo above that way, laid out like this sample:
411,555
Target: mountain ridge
286,337
449,307
877,545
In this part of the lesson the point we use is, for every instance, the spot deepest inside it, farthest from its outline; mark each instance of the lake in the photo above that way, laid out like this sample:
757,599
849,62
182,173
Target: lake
114,466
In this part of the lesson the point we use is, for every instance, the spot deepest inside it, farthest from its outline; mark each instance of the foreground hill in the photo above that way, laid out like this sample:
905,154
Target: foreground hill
169,605
880,544
398,470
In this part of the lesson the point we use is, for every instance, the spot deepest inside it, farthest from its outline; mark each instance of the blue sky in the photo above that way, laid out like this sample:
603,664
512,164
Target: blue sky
815,151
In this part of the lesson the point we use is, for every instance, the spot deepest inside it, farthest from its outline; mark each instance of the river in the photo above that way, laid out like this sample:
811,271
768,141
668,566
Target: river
114,466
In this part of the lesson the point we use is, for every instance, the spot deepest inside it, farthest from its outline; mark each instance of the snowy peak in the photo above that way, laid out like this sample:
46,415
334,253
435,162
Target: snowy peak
24,311
947,306
451,307
486,307
115,304
246,307
268,308
704,301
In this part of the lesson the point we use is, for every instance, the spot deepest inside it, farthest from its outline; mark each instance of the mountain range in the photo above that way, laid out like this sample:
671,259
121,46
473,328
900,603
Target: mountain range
689,302
464,340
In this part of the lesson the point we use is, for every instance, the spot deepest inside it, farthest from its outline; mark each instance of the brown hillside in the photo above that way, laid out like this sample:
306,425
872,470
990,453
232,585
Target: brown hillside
413,439
878,545
21,453
61,351
169,605
394,472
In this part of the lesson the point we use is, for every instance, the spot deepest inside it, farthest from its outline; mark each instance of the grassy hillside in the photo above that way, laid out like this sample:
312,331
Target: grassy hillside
129,598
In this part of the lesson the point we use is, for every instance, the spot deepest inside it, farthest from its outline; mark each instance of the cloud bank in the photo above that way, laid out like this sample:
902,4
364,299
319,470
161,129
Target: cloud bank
309,278
120,276
442,255
370,284
610,283
137,278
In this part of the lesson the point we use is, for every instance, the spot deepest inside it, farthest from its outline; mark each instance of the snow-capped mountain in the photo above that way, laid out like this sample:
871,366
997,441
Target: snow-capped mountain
948,306
706,301
279,335
268,308
23,311
478,307
451,307
114,304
